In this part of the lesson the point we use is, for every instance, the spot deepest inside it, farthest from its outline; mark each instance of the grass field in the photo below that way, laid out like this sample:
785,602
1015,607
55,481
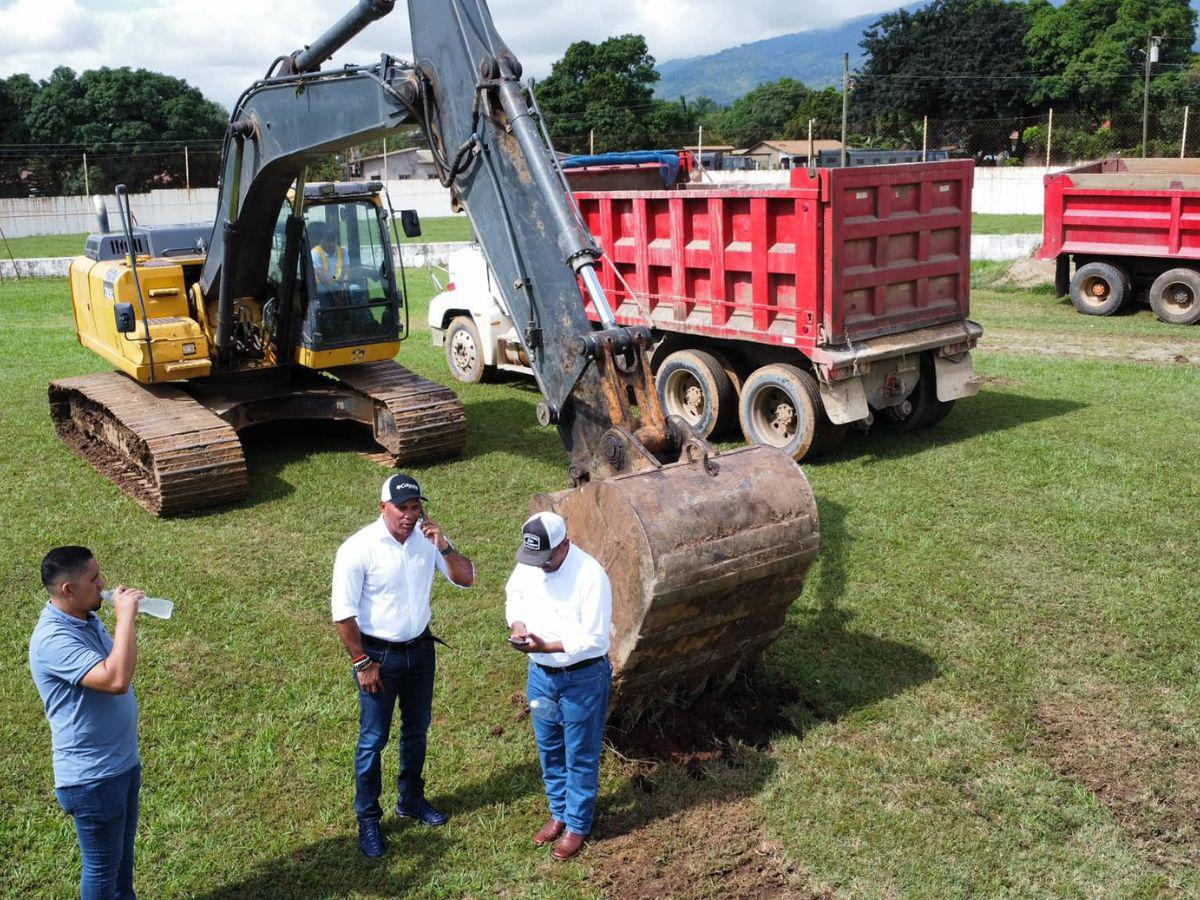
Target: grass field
991,676
998,223
433,230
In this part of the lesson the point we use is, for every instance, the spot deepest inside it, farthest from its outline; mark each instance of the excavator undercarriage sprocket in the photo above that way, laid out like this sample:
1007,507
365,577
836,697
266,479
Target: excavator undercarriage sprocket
703,568
175,448
154,442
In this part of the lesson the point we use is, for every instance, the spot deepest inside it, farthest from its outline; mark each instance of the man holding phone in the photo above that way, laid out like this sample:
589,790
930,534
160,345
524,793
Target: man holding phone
559,607
382,579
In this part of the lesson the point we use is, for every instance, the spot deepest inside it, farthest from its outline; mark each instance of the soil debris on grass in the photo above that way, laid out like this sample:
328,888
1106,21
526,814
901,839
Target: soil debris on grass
1139,766
710,850
1117,348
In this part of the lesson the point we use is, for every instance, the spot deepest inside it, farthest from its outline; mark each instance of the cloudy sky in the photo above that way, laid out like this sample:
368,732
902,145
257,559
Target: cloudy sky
222,45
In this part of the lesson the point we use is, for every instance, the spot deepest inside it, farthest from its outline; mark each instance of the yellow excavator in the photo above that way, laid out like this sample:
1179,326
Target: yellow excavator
287,308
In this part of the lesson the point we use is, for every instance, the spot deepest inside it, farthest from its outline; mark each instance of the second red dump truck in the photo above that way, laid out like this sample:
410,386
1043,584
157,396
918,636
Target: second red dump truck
794,311
1131,230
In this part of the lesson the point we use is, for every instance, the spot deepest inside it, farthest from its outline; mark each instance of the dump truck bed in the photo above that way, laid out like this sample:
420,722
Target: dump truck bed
1124,207
837,256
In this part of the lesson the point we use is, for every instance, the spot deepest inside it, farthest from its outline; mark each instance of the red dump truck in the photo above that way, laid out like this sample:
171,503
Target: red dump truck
1131,229
795,311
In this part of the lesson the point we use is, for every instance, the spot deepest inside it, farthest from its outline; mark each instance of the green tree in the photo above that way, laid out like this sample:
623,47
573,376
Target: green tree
825,106
1093,51
606,90
952,59
765,111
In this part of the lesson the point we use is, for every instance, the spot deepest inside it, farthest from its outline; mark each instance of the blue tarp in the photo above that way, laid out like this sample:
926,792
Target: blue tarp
668,161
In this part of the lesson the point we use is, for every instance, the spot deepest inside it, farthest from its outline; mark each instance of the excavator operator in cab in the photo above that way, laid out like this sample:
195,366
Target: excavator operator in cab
328,259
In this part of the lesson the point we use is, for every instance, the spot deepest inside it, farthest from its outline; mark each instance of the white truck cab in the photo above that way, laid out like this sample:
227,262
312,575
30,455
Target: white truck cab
469,318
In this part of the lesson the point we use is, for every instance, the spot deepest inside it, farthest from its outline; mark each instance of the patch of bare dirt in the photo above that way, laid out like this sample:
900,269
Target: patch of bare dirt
1137,766
711,850
1118,348
1027,273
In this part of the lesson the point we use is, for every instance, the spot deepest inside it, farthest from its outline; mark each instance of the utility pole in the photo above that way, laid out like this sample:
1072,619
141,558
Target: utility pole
592,142
924,138
1183,140
845,101
812,162
86,185
1049,134
385,168
1152,42
187,170
700,149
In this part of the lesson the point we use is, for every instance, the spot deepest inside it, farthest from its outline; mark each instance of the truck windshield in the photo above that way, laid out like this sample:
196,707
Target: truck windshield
352,297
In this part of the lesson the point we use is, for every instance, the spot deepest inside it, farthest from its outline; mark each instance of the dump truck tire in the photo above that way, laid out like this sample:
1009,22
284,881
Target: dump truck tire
464,351
693,385
1100,289
781,407
1175,296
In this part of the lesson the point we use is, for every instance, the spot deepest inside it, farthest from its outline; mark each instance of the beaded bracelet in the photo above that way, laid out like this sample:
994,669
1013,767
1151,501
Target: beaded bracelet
361,662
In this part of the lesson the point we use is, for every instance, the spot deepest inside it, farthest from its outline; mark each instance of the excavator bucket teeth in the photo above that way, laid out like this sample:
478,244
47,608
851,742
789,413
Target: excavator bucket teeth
157,444
703,568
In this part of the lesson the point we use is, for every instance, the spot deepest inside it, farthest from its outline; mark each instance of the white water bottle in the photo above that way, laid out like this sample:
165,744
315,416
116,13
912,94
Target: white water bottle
151,606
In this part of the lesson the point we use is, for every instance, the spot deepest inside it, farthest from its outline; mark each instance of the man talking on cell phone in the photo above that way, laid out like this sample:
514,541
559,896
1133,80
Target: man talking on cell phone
382,578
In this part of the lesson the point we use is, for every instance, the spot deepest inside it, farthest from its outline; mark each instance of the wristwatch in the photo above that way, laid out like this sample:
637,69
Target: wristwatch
449,549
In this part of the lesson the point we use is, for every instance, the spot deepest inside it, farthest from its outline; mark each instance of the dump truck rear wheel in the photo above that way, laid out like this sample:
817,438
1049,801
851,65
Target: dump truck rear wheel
693,385
922,409
781,407
1175,296
464,351
1099,289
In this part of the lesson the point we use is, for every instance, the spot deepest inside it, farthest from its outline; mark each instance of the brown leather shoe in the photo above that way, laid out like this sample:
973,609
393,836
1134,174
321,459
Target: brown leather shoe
552,829
568,845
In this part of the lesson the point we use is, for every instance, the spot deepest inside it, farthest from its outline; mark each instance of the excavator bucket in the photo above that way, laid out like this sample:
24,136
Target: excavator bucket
703,568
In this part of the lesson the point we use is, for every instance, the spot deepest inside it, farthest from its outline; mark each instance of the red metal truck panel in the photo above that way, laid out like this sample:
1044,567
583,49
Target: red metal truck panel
1117,207
840,255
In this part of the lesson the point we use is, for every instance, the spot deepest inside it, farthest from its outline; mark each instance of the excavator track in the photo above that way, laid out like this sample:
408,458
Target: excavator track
416,420
156,443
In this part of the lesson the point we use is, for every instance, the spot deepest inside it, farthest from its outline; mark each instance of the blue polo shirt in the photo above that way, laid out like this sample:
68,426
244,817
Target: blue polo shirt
94,734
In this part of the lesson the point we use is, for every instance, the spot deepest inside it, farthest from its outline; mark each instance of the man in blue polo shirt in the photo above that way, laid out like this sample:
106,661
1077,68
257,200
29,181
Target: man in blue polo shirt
83,677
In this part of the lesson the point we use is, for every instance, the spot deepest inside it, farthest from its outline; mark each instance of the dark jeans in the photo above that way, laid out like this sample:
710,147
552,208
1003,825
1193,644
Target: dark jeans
407,677
106,814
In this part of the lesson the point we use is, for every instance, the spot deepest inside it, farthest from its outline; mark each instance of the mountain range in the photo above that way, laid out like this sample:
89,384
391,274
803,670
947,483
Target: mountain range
814,57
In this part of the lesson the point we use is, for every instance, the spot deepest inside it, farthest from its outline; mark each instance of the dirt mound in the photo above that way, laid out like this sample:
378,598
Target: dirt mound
749,711
1027,273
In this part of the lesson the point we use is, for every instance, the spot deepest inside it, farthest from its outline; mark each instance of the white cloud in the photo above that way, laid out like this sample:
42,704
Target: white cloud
221,45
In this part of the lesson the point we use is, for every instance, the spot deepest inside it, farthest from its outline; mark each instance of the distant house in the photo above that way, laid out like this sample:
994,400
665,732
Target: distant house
785,154
412,162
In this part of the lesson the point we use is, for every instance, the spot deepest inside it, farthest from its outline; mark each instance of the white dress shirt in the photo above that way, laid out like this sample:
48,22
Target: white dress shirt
386,584
572,604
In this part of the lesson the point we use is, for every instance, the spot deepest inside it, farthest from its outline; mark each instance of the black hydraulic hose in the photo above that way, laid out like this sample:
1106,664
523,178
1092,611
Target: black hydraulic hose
126,215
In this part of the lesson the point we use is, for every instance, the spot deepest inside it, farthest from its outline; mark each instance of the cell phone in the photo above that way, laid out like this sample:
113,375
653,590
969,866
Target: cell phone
518,642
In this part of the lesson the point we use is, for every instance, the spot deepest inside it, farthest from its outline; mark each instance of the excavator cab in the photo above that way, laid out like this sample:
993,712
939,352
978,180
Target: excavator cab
346,280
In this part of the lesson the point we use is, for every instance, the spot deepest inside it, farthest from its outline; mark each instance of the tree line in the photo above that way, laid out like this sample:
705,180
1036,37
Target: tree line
986,65
132,123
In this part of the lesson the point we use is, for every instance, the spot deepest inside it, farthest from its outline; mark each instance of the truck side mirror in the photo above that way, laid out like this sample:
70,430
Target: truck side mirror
410,222
124,316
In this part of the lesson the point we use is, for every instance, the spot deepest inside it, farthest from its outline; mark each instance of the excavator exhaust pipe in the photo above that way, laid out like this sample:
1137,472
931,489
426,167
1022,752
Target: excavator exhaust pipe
703,569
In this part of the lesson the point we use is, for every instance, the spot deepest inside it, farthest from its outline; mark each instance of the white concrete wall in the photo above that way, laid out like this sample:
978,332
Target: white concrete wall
997,190
415,256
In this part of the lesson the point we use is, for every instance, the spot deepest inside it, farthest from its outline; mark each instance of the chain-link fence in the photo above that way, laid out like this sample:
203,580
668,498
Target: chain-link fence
43,171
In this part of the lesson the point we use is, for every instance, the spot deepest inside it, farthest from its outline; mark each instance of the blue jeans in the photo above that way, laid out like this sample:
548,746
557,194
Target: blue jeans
568,711
407,677
106,814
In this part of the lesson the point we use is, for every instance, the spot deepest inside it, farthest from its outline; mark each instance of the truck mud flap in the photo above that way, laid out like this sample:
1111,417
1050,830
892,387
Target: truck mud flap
845,401
955,377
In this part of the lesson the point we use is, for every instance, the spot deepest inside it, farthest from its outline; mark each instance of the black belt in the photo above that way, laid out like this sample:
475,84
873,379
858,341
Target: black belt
573,667
369,640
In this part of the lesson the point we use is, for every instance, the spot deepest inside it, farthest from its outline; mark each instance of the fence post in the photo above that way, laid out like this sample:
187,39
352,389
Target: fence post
924,137
1049,133
86,184
811,162
1183,140
592,142
845,101
187,171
